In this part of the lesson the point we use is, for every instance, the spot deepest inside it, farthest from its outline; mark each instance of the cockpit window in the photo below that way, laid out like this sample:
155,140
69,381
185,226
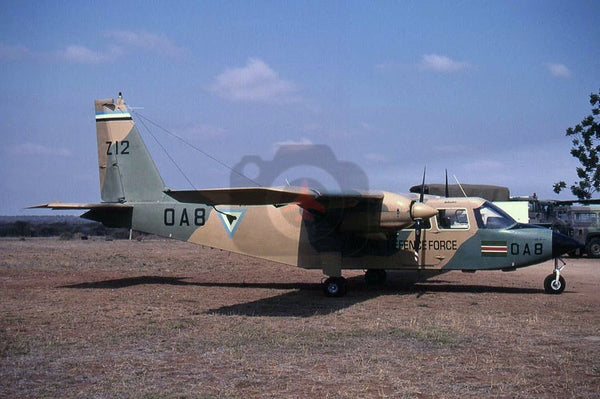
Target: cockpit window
452,219
489,216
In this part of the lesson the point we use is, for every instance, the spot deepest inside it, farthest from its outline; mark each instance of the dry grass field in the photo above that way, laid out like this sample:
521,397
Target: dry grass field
154,319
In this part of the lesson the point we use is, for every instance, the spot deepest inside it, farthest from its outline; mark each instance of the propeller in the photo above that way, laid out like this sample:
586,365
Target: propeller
418,218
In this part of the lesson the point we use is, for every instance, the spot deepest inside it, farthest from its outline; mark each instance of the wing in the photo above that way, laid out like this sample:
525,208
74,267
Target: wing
355,211
305,198
243,196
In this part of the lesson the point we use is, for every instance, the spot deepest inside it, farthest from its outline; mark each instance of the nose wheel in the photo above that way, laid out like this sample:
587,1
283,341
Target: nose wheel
555,283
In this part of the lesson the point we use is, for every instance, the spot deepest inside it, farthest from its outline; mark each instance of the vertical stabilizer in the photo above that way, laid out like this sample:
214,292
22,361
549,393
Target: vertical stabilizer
127,172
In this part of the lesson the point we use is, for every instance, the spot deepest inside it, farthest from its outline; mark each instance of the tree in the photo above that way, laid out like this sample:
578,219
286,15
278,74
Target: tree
586,148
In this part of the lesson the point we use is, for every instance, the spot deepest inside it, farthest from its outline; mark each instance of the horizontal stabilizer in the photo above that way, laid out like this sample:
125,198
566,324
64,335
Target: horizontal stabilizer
109,214
61,205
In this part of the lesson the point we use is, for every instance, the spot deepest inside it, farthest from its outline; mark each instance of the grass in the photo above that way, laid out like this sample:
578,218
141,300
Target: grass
66,329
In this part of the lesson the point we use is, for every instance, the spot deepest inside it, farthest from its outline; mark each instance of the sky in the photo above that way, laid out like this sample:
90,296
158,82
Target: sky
483,89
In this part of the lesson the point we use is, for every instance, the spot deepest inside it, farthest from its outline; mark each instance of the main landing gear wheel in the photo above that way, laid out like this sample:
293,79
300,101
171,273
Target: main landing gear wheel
335,287
555,286
375,276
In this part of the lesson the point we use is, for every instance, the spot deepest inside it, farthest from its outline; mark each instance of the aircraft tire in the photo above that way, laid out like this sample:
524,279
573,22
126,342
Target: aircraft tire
335,287
375,276
551,287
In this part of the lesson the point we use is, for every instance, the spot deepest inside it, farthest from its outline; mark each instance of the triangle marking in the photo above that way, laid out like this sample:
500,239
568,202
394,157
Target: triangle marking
229,223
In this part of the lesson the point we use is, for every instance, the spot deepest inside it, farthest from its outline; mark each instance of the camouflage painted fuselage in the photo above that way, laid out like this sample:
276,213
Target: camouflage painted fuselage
296,236
342,232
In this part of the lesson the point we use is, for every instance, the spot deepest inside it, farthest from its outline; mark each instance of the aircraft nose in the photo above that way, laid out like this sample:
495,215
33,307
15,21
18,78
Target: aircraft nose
561,244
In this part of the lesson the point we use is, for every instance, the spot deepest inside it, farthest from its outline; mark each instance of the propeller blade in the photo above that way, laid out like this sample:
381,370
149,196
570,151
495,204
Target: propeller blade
423,185
418,227
418,211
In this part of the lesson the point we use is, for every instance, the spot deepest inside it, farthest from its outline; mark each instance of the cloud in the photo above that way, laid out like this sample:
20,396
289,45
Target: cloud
119,43
255,82
203,131
483,164
377,157
558,70
83,55
73,54
14,53
38,149
442,64
302,141
154,43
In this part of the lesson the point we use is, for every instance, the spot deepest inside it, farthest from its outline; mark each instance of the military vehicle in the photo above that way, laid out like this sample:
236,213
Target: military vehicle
581,223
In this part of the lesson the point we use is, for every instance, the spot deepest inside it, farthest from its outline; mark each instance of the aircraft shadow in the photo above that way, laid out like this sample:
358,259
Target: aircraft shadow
474,289
308,301
130,282
305,299
161,280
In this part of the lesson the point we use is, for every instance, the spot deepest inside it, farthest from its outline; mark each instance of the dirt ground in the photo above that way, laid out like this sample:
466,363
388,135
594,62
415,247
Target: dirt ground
161,318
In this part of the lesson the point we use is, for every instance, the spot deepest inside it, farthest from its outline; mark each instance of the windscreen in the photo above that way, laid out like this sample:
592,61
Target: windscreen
489,216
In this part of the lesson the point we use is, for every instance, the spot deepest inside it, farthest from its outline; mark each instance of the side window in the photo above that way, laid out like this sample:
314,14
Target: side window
586,218
563,216
451,219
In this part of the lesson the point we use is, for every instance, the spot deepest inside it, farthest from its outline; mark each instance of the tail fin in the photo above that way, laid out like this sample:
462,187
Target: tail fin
127,172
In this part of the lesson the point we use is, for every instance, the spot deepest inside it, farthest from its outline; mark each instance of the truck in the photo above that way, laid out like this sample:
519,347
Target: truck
581,222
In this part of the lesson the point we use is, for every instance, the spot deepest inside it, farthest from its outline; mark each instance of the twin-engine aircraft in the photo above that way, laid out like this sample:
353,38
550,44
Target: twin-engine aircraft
310,229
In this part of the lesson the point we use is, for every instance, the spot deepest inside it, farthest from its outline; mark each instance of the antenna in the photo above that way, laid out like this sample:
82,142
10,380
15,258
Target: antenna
446,191
460,186
142,117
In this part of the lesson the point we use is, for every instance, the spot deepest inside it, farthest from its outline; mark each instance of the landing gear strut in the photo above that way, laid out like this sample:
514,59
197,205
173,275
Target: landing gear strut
555,283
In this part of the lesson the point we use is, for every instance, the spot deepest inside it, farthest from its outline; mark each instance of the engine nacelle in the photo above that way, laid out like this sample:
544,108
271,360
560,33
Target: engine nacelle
396,212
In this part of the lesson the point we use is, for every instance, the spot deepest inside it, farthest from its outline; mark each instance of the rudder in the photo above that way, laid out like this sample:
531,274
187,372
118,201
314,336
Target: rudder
127,172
